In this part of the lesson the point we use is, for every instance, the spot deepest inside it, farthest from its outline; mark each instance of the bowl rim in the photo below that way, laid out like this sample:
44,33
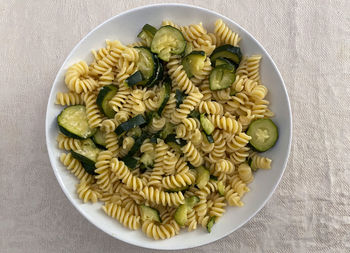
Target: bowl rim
51,158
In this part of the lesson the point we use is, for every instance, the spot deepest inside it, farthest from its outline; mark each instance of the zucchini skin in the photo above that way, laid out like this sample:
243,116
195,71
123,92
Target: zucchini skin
138,120
166,90
68,133
105,93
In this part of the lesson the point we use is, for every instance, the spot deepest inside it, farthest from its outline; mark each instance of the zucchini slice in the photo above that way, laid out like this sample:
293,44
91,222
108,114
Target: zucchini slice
194,114
191,202
158,76
229,52
147,33
180,97
184,188
188,48
250,162
147,159
138,120
87,154
211,223
221,77
147,64
149,213
264,134
167,130
203,176
180,215
164,97
207,126
167,41
221,61
135,132
104,96
221,188
172,138
214,178
130,162
73,122
99,139
193,63
135,79
209,137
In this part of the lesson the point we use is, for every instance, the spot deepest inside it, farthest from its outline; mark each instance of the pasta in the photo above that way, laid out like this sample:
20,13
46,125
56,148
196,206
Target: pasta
225,35
67,143
165,139
76,81
69,98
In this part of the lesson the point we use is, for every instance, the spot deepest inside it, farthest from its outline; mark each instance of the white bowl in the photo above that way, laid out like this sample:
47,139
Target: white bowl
125,28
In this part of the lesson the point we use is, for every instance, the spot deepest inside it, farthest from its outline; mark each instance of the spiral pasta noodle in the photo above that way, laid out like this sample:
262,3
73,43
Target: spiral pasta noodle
67,143
225,34
193,32
103,179
69,98
93,114
122,215
87,193
192,154
190,102
211,107
75,167
161,231
178,180
179,76
260,162
245,173
77,79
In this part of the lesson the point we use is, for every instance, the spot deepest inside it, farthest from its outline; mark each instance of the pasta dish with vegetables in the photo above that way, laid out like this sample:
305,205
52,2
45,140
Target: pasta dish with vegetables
167,131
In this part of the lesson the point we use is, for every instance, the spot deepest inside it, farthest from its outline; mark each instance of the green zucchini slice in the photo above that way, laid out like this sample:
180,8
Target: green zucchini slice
135,79
168,41
221,61
164,97
147,159
180,215
104,96
167,130
264,134
194,114
147,64
211,223
221,77
193,63
180,97
188,48
147,34
73,122
99,139
209,137
229,52
138,120
87,154
206,124
149,213
191,202
203,176
221,188
130,162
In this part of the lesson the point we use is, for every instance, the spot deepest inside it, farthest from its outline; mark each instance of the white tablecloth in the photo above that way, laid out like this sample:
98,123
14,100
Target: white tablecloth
310,43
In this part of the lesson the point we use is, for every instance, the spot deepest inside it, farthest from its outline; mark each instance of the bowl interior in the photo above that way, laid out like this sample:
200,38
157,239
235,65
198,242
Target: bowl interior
125,28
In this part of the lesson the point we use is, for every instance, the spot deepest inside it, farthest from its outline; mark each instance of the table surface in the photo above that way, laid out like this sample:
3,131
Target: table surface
310,43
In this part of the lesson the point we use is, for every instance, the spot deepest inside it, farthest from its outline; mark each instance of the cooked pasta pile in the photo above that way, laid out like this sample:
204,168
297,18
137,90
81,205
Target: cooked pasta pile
173,175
